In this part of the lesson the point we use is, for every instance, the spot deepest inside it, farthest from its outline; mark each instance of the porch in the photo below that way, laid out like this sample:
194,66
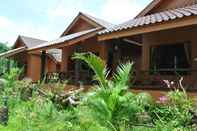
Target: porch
112,52
167,54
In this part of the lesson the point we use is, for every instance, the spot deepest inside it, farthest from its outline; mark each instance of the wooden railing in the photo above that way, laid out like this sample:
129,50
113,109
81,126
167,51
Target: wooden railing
84,77
141,79
155,79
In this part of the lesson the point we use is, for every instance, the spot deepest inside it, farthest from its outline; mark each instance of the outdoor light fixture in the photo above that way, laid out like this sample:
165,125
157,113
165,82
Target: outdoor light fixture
116,48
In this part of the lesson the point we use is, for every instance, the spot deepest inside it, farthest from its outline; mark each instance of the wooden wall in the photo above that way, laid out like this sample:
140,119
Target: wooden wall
187,34
80,25
34,66
90,45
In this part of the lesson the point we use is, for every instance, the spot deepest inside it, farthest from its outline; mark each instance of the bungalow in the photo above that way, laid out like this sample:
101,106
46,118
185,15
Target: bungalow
31,62
167,30
161,40
81,36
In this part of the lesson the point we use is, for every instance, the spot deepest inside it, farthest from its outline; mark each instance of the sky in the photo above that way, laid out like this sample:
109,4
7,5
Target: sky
47,19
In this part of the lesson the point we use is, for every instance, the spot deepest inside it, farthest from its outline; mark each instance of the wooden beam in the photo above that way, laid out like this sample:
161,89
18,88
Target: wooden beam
187,21
132,42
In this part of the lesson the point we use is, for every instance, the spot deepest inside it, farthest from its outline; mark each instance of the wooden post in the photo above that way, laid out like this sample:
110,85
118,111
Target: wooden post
104,52
65,58
43,64
77,66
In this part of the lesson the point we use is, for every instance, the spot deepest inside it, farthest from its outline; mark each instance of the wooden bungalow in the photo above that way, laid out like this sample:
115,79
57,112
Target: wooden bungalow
161,40
167,30
31,63
81,36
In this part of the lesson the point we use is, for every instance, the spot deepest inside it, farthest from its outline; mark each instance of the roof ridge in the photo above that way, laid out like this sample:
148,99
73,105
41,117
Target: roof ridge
98,20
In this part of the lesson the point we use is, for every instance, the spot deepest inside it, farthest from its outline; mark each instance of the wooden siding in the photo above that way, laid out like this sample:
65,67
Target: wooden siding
34,65
80,25
169,36
90,45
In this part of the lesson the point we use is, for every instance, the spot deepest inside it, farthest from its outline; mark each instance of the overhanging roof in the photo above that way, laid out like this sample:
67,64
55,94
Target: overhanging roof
12,52
31,42
146,21
66,39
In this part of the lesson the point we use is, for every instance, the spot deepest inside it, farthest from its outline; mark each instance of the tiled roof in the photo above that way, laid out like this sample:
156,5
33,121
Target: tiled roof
65,38
31,42
154,18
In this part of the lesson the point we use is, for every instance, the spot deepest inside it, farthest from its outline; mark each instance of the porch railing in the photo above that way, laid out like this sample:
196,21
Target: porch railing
84,77
141,79
155,79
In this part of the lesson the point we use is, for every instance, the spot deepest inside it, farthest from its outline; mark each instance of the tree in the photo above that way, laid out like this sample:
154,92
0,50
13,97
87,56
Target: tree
3,62
3,47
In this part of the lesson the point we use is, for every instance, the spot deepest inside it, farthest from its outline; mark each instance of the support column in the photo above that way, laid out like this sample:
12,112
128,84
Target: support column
145,55
77,66
43,65
104,52
65,58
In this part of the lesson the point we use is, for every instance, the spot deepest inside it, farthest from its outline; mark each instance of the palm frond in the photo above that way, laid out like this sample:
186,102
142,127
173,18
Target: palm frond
123,74
96,64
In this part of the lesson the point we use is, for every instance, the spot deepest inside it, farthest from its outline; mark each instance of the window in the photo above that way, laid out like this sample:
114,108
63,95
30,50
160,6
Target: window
171,58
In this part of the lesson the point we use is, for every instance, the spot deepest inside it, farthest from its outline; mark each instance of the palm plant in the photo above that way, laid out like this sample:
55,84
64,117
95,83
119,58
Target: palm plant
103,104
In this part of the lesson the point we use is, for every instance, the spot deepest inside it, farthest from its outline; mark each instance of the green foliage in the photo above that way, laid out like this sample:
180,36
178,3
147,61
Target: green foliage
37,115
3,61
96,64
3,47
114,108
110,107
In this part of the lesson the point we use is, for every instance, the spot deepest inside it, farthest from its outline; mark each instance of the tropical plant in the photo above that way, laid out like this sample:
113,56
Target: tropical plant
110,104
